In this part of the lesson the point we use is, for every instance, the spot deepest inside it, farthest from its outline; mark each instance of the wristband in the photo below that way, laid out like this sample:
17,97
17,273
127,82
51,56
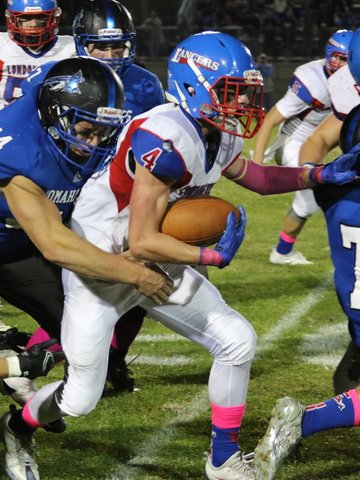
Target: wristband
14,366
210,257
315,175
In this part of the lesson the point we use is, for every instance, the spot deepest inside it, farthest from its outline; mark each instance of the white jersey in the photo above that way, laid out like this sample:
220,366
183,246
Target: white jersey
106,196
17,62
307,101
344,92
164,140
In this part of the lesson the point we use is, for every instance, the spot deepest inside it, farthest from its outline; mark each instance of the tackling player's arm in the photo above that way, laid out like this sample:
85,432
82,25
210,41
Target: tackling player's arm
272,119
323,139
41,221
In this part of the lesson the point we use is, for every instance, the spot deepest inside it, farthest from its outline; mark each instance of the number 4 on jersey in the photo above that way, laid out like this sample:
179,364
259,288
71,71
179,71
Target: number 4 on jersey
149,158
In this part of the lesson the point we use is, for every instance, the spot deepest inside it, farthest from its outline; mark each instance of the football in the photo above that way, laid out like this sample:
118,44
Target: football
198,220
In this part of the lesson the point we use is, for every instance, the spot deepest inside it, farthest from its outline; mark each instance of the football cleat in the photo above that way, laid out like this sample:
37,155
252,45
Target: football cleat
21,389
56,426
19,459
282,436
292,258
119,376
237,467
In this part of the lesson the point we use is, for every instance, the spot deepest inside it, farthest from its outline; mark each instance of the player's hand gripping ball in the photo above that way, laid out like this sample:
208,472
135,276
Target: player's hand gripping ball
198,220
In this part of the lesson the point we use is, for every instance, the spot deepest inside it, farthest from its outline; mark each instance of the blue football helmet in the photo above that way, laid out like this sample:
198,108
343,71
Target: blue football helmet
106,22
212,76
337,46
46,11
75,90
354,56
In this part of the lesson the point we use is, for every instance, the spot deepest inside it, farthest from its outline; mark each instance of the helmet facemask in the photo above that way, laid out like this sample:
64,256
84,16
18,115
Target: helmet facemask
336,61
73,146
33,37
236,102
125,42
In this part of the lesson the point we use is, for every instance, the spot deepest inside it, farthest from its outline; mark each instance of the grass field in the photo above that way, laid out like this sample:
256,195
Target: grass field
161,431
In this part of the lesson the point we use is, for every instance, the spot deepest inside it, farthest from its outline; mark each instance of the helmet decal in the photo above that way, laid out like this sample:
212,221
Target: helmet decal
183,56
69,84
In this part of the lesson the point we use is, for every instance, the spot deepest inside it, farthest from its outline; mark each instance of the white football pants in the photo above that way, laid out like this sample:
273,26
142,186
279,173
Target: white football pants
195,310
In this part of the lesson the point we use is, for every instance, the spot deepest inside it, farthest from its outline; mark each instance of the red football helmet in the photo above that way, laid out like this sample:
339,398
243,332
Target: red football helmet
32,23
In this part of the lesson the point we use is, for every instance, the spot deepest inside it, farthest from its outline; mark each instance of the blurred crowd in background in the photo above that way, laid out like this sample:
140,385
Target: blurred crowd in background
278,28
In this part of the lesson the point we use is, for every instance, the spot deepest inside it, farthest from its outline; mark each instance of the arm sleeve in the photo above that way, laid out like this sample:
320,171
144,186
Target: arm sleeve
268,180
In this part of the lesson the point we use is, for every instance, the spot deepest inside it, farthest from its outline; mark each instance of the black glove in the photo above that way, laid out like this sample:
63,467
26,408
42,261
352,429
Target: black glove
12,339
37,361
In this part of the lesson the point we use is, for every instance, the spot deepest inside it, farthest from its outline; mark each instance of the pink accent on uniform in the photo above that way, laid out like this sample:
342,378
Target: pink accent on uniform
356,403
114,342
227,417
41,336
28,418
284,236
271,178
210,257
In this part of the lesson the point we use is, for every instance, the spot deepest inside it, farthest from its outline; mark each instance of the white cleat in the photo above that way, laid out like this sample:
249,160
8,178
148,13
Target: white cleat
281,437
292,258
237,467
20,389
19,459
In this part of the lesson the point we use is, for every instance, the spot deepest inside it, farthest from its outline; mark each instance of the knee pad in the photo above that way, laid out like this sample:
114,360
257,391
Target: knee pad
304,204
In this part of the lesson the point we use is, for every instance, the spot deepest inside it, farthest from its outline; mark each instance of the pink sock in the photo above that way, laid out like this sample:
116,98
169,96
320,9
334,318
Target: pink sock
227,417
41,336
28,418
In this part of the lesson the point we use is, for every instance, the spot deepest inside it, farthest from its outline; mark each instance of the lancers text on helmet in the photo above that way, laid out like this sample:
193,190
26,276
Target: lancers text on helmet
181,56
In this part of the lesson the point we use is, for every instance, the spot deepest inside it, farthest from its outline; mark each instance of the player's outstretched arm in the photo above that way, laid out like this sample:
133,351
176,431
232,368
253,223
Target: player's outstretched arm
323,139
268,180
41,220
272,119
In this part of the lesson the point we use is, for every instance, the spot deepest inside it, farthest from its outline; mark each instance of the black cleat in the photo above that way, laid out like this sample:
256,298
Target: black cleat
119,376
57,426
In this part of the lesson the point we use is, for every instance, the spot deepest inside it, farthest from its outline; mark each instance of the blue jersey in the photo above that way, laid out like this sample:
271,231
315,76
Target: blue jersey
143,89
341,206
25,150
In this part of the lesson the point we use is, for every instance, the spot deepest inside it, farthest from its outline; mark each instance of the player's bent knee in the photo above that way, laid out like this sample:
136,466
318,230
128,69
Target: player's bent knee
78,408
76,400
241,346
